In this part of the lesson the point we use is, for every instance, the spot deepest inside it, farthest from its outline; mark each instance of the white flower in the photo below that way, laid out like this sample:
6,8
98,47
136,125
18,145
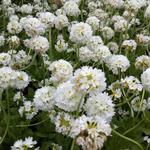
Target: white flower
121,25
147,12
6,2
142,39
13,41
118,62
26,9
100,105
89,79
142,62
43,98
61,45
33,26
61,71
108,33
29,142
47,18
90,132
145,78
85,54
113,47
14,27
132,83
130,45
38,43
116,3
93,22
2,40
63,122
67,98
101,53
61,21
5,59
80,32
28,109
94,42
71,8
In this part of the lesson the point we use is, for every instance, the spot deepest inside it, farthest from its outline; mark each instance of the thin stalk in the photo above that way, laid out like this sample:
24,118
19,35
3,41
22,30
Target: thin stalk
128,139
8,118
50,43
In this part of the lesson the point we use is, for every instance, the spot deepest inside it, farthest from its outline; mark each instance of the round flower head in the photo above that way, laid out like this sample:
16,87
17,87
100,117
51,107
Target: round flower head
100,105
121,25
85,54
129,45
142,39
89,79
101,53
94,42
63,122
142,62
14,27
66,97
118,62
113,47
43,98
21,80
33,26
93,22
147,12
38,43
116,3
61,71
131,83
61,21
108,33
145,78
90,132
80,32
71,8
47,18
26,9
13,41
5,59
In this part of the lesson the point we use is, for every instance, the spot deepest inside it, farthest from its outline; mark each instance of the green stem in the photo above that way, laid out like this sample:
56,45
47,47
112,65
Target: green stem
50,43
31,63
8,118
82,8
72,145
129,130
128,139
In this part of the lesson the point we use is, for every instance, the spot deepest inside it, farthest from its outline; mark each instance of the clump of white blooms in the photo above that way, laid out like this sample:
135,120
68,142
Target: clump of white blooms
26,9
39,44
43,98
145,78
93,22
80,32
47,18
61,45
100,105
71,8
63,122
28,109
28,143
90,132
33,26
118,63
13,41
129,45
147,12
2,40
61,71
61,21
5,59
12,78
87,79
108,33
94,42
14,27
67,98
142,39
132,83
142,62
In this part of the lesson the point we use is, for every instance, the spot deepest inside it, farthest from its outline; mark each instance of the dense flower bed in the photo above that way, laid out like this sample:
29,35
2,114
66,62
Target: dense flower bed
75,74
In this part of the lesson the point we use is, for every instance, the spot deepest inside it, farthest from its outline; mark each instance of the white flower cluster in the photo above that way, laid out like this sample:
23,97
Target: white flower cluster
12,78
27,143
